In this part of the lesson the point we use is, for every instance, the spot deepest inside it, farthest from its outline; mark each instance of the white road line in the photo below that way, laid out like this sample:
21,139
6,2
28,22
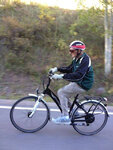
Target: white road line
28,108
5,107
41,109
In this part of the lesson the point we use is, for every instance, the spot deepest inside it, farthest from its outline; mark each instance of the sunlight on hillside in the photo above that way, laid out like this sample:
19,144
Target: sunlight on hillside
67,4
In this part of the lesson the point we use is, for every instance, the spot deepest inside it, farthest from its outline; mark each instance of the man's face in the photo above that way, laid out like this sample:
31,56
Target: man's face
73,52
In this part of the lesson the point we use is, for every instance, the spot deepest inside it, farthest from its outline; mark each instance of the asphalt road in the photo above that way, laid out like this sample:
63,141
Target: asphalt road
51,137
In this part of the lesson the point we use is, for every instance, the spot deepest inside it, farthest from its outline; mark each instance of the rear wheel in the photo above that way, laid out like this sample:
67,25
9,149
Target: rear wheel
91,122
20,115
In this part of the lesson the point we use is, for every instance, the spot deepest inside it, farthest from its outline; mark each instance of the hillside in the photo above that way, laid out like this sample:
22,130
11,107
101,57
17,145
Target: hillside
34,38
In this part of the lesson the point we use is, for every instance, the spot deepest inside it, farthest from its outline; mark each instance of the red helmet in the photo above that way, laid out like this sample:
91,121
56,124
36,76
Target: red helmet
77,45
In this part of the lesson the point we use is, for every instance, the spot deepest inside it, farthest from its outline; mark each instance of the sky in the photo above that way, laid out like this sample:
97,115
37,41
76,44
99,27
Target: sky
66,4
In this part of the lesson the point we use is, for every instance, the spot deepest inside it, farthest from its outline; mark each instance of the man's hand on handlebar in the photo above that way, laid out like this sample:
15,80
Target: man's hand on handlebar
57,76
53,70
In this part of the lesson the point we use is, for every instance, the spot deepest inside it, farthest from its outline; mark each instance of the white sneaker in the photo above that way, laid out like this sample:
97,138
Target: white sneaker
62,120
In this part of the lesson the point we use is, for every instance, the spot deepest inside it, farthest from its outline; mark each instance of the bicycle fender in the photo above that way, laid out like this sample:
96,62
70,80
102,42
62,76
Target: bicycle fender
34,95
96,102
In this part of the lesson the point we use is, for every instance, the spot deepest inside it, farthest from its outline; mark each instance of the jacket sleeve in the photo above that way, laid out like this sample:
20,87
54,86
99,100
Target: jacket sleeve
66,69
80,72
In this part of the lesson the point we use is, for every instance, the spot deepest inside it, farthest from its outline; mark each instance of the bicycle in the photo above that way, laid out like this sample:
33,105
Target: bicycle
91,119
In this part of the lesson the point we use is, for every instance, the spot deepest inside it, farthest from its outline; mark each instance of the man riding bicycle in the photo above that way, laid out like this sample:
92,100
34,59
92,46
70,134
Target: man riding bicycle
80,75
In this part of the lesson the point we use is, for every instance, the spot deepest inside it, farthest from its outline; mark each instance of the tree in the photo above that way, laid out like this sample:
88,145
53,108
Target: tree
108,24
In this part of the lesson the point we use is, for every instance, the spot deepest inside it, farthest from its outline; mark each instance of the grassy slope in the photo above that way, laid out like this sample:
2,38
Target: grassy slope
19,84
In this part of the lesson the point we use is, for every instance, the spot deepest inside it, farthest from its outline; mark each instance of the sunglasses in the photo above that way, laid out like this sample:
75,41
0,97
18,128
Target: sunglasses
72,51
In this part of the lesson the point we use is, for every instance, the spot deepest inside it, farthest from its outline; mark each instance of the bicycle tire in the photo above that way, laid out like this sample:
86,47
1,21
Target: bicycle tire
81,129
23,107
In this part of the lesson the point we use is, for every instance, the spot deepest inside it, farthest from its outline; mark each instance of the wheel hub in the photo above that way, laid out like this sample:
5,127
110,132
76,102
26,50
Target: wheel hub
89,118
29,113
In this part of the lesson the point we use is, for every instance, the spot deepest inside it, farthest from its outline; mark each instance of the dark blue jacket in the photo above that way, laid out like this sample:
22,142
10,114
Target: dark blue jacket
80,71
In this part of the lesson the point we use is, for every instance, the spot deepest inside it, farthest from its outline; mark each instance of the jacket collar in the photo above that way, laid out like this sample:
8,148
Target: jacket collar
76,59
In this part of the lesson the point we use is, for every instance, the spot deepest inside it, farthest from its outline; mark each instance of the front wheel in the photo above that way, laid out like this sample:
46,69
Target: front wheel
93,120
20,115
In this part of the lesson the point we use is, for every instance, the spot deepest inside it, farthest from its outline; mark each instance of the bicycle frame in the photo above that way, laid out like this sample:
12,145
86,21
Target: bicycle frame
50,93
54,97
57,101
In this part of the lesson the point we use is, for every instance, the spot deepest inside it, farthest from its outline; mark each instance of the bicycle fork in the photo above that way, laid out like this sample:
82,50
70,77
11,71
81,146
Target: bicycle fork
36,105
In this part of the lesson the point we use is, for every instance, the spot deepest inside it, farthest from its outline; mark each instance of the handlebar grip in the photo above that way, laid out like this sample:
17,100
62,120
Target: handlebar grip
50,73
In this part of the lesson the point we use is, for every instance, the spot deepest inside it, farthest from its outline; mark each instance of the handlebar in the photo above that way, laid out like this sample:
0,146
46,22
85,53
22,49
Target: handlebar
45,86
49,80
